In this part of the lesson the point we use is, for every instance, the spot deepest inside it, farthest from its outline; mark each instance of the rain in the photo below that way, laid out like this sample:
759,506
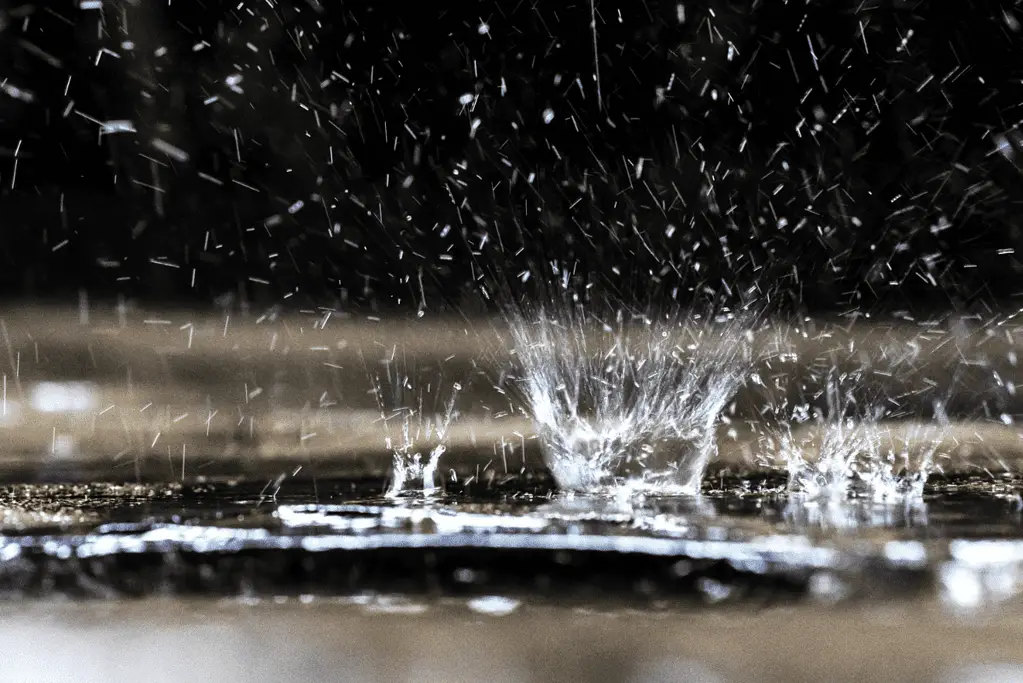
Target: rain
633,308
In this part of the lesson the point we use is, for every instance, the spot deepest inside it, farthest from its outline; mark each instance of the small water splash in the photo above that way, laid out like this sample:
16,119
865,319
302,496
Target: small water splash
416,405
631,404
903,464
825,469
850,451
819,446
411,472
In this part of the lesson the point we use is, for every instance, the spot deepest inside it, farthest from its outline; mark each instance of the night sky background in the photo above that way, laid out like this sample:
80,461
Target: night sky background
438,157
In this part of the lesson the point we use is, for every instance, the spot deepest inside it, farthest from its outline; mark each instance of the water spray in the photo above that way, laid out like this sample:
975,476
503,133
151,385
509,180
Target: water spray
401,398
847,449
631,403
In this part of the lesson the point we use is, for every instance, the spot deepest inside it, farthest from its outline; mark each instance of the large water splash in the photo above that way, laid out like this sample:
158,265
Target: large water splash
630,403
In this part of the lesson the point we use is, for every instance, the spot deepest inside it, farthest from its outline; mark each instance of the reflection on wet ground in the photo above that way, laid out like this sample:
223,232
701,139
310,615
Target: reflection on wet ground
294,579
741,542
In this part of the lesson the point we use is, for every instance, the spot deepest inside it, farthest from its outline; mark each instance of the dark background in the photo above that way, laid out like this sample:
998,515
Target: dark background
829,156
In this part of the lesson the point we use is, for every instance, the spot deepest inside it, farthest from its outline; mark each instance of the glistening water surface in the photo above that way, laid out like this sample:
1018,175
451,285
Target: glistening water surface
743,540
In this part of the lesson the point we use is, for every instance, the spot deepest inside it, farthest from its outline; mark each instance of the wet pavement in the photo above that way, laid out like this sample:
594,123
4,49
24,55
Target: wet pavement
743,542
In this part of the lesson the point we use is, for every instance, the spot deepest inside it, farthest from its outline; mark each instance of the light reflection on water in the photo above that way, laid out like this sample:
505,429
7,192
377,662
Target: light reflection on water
851,515
963,543
64,397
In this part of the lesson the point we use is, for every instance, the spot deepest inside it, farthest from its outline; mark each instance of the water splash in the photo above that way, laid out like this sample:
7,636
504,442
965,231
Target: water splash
901,468
416,406
411,471
631,404
852,452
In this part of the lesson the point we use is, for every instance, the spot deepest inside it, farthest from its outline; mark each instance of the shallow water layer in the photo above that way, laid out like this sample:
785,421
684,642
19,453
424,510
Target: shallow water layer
743,541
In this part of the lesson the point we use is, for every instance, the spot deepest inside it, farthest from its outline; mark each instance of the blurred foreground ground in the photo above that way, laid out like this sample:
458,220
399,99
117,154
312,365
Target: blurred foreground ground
450,642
